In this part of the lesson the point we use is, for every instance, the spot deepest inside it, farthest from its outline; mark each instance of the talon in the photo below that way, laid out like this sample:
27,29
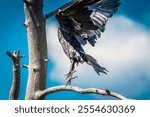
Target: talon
74,71
69,75
74,77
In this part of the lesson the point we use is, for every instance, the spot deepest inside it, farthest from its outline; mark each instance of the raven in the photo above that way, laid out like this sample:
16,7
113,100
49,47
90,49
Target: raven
82,22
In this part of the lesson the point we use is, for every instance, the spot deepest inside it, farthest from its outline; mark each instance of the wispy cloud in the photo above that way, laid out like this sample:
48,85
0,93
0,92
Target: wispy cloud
123,49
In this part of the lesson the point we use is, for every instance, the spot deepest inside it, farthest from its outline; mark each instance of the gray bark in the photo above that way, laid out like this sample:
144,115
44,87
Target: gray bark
79,90
14,91
37,45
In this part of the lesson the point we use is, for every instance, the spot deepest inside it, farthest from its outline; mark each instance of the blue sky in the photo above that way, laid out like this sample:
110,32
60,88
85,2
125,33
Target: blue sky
128,31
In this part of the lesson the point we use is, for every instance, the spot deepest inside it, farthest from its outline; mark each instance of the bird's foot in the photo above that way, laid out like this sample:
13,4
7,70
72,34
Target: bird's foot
70,77
70,73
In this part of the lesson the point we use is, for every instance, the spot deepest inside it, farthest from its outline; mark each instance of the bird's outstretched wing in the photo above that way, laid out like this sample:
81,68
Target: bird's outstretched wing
86,19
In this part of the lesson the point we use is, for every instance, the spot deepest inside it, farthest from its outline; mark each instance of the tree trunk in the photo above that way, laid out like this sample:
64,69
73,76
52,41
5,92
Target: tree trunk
37,45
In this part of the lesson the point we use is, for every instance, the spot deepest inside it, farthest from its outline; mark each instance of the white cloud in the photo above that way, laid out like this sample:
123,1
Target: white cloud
123,49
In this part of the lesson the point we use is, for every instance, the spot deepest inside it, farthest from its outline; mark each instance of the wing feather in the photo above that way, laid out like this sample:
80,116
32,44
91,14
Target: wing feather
87,17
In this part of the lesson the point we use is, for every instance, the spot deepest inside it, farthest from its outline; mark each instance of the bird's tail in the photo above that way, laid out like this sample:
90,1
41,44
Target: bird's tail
92,61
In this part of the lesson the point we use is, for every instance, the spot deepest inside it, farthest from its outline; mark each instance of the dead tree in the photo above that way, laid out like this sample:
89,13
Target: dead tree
14,91
35,22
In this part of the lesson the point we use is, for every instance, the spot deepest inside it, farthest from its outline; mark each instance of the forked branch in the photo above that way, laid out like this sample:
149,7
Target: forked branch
45,92
14,92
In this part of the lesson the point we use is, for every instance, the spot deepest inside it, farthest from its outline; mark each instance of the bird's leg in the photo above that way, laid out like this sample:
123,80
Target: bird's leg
70,76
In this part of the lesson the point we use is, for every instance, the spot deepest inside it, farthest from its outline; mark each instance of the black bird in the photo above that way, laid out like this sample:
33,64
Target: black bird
83,21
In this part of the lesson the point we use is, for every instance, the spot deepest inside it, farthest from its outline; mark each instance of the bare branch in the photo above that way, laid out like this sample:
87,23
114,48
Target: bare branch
14,91
25,66
9,54
23,56
45,92
65,6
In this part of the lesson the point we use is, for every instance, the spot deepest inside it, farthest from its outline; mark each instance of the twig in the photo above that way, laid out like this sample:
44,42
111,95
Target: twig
14,91
65,6
25,66
9,54
23,56
50,90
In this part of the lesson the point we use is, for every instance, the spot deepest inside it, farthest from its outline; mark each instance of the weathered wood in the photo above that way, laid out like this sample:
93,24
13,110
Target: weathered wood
14,91
79,90
37,45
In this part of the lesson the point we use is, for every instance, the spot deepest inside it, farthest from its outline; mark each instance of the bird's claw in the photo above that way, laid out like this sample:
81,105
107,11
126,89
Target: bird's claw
70,77
70,73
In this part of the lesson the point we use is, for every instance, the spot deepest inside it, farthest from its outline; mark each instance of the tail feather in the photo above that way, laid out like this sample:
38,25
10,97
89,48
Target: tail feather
92,61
